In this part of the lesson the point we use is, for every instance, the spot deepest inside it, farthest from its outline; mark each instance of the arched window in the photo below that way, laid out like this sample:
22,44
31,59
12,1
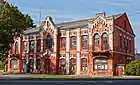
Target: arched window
100,64
84,64
48,41
96,40
14,63
63,66
105,39
72,66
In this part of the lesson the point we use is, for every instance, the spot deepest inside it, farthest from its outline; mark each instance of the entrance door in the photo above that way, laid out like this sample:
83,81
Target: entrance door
120,70
47,65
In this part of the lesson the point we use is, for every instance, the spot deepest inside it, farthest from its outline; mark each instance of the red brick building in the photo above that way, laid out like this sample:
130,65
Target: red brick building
97,46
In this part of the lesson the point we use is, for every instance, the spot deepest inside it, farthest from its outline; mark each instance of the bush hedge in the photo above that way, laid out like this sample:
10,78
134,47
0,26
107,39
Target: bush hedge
133,68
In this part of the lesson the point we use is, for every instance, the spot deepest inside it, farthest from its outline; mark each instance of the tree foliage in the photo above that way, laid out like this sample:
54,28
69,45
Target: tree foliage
12,23
133,68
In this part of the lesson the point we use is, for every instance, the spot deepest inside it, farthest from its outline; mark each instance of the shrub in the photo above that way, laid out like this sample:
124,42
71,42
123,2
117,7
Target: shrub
133,68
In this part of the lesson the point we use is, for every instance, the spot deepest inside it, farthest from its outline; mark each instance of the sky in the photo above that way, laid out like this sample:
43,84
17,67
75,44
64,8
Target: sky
70,10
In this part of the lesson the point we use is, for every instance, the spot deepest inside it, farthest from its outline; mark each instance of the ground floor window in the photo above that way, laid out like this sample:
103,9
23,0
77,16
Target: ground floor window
62,66
31,64
84,64
38,64
72,66
14,63
100,64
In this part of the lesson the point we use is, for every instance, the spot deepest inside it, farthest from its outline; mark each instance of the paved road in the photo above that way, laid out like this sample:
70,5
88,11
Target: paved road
99,82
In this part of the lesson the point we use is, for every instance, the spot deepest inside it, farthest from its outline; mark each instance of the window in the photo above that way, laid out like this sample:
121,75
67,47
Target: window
16,47
39,45
130,46
73,42
105,39
48,41
72,66
63,42
63,66
38,65
84,41
14,63
25,46
32,45
96,40
31,63
101,64
84,64
121,42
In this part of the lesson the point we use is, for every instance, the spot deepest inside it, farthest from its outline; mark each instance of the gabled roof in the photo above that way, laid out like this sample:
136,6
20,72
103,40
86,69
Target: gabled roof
74,24
31,30
71,25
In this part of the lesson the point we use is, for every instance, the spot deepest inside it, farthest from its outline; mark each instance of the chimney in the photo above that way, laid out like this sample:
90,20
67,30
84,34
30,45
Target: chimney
101,14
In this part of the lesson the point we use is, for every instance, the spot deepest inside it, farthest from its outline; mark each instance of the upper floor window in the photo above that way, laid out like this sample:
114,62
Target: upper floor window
38,44
96,40
63,42
84,41
32,45
105,39
48,41
16,47
25,46
121,42
73,42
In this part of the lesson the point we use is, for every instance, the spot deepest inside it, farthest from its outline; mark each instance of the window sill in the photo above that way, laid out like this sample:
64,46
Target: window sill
84,48
73,49
63,48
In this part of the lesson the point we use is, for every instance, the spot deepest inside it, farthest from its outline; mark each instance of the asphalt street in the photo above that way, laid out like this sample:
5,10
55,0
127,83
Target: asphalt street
43,82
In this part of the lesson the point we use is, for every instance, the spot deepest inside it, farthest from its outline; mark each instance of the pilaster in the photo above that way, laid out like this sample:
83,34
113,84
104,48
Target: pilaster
78,51
67,51
42,42
34,63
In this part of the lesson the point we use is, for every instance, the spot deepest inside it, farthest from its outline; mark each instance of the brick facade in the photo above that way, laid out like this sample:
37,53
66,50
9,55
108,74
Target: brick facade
97,46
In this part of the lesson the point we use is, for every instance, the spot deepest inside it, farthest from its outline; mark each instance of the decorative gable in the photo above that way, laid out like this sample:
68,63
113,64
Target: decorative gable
99,22
49,26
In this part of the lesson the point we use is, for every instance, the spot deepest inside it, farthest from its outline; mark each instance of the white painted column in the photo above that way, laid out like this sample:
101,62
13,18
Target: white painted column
35,50
110,23
41,42
34,63
90,43
27,56
67,51
19,45
78,51
55,42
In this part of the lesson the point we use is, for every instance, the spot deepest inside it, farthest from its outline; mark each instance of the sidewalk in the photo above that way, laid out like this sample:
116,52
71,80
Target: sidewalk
64,77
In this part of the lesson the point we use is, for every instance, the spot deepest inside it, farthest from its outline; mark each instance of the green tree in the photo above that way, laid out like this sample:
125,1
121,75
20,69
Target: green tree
12,23
133,68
